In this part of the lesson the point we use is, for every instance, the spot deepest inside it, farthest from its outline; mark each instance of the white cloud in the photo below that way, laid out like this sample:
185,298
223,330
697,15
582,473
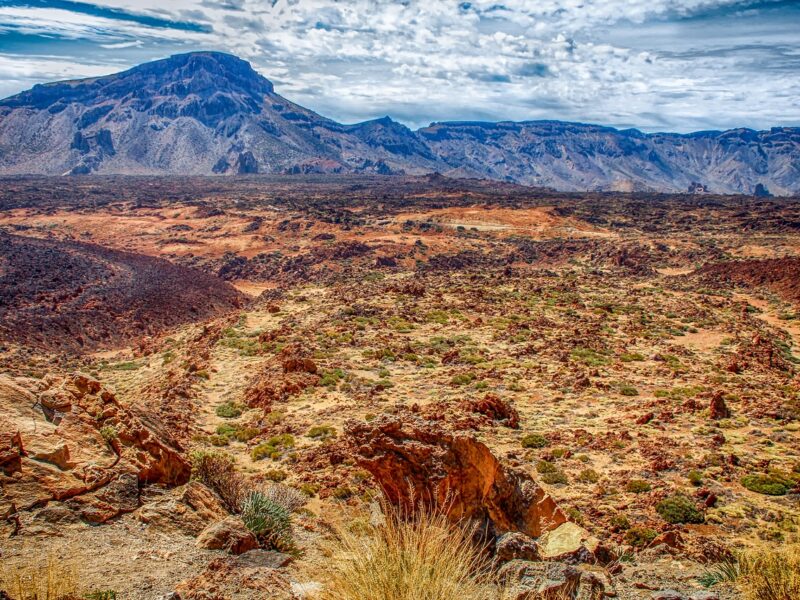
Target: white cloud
618,62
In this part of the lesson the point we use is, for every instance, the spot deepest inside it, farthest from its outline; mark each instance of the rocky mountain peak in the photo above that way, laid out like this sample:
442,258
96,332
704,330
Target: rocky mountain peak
198,74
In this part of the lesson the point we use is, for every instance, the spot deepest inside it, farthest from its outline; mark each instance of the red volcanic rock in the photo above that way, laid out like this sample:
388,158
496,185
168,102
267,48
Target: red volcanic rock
717,408
295,359
416,461
72,296
496,409
76,444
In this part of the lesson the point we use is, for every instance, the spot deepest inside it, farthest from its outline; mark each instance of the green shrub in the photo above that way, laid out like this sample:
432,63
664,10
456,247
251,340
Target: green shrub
628,390
342,492
109,433
310,489
620,523
322,432
544,467
534,440
772,484
219,440
270,522
273,448
631,357
639,537
589,357
637,486
275,475
695,478
229,410
555,478
678,509
462,379
588,476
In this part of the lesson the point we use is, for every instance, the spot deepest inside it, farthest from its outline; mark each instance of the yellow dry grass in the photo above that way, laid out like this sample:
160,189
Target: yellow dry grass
423,557
770,574
49,579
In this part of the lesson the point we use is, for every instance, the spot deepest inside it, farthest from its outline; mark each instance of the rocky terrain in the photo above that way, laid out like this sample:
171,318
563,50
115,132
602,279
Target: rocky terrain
209,113
78,296
600,389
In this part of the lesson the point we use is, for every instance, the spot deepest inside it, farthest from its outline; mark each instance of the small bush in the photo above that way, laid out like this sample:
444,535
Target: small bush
628,390
620,523
462,379
639,537
534,440
109,433
558,477
637,486
545,467
270,522
342,492
727,570
273,448
322,432
588,476
229,410
310,489
217,471
275,475
679,509
695,478
773,484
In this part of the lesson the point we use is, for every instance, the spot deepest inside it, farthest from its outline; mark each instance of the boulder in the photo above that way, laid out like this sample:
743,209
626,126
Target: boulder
495,409
568,543
524,580
515,545
717,408
188,510
417,462
229,534
68,439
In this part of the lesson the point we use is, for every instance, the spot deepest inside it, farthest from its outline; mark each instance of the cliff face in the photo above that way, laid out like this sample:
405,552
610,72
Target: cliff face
211,113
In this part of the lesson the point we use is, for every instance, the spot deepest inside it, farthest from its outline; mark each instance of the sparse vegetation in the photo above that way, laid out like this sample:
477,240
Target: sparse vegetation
678,509
268,520
400,558
637,486
534,440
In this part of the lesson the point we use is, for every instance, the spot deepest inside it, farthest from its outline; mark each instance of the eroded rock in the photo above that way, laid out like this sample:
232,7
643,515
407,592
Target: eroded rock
69,439
417,461
229,534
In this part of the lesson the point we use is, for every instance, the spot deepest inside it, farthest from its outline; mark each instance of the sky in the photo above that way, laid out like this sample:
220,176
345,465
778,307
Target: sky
657,65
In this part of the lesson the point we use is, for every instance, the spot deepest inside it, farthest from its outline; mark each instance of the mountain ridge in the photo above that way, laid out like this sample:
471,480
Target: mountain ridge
205,113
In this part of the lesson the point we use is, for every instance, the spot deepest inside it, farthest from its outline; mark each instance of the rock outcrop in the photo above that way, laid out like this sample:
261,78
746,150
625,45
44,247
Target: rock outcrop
68,440
416,461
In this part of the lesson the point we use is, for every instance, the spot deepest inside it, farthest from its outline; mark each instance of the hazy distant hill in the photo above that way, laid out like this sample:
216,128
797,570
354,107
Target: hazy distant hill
211,113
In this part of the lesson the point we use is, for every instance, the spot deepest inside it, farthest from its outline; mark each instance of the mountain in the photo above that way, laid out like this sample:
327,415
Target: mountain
209,113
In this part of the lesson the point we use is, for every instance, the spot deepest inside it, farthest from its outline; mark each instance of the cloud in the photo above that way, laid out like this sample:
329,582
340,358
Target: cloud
657,64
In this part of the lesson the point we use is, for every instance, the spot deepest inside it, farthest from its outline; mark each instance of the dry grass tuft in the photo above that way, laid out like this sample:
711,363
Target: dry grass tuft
414,558
47,580
770,574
